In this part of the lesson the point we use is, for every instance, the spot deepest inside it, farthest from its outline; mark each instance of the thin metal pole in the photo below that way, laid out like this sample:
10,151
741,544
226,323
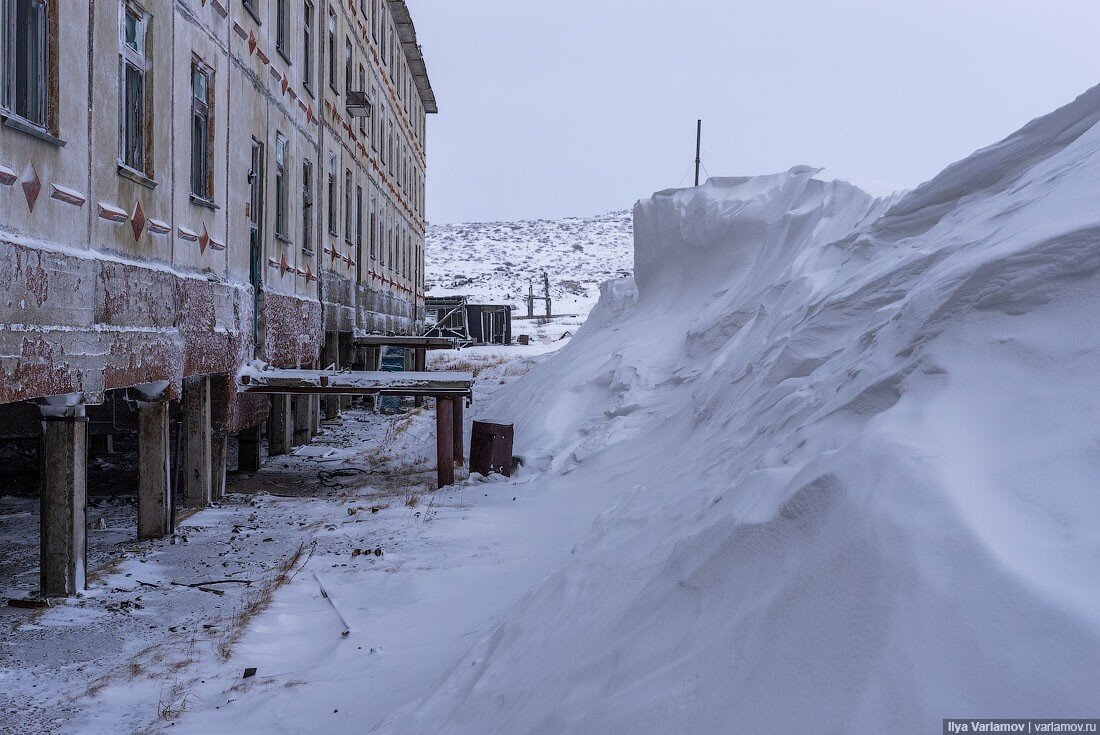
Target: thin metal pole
698,150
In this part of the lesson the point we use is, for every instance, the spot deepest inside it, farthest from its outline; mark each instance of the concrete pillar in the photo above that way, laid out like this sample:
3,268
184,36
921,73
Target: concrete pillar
218,446
444,440
197,441
303,419
154,471
331,356
280,426
249,451
420,363
64,462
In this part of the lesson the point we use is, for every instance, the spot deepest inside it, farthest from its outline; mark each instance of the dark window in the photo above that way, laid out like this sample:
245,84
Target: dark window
373,228
202,131
133,143
282,186
307,44
358,230
332,50
349,227
26,56
307,206
332,195
349,64
280,26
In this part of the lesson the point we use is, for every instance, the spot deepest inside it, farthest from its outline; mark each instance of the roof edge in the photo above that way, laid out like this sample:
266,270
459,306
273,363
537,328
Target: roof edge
406,32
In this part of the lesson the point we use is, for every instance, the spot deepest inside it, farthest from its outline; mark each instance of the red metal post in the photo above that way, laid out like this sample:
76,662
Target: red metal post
445,444
460,459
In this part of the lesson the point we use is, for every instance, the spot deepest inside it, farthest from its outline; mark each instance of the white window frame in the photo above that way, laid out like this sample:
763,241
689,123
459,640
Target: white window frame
135,58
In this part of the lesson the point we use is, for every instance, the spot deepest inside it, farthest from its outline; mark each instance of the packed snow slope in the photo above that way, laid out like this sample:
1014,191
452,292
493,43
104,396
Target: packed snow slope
495,261
859,442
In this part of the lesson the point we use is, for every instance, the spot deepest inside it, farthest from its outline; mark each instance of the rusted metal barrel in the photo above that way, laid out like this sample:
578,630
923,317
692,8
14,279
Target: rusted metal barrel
491,447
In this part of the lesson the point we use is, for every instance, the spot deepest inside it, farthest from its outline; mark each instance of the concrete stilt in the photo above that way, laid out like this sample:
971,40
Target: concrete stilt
420,363
444,440
280,426
154,471
218,447
460,459
64,462
197,455
303,419
331,404
249,451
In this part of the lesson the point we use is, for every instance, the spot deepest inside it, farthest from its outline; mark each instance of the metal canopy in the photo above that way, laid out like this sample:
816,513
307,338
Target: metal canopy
351,383
411,342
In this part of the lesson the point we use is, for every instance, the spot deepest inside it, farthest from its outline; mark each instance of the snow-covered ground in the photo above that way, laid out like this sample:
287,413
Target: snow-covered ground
826,463
495,261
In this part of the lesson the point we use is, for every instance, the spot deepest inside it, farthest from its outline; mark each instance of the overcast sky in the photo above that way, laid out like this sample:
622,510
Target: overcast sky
552,108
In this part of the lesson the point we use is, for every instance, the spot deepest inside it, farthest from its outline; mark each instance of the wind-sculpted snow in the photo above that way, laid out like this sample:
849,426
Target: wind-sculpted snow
858,447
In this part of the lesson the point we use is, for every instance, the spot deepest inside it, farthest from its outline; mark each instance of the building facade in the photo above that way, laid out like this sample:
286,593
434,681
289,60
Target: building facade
189,185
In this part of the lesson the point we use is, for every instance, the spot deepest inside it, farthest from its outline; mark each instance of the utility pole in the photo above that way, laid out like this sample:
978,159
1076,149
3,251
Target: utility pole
698,150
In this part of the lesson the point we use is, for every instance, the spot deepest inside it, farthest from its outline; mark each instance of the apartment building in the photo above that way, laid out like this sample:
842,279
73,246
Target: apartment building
185,187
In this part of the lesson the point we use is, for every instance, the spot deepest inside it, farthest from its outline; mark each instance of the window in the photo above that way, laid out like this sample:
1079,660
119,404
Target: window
134,144
358,228
280,26
27,55
307,206
362,88
374,16
332,195
250,6
332,50
349,64
202,131
373,228
377,113
382,42
349,228
282,228
307,45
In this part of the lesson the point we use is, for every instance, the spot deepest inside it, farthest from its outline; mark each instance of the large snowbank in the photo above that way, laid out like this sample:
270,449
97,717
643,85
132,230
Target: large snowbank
860,446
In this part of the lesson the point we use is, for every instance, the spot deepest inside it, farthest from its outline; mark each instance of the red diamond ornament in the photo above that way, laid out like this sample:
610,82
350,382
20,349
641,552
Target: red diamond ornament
137,221
32,185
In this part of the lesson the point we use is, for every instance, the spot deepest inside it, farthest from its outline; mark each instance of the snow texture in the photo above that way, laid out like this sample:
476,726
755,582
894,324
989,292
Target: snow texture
858,446
495,262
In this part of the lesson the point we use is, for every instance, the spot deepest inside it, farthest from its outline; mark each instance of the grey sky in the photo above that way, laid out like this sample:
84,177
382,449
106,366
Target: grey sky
551,108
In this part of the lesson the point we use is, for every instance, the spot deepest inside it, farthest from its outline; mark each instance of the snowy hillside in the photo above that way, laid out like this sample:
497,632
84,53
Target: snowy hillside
494,262
852,448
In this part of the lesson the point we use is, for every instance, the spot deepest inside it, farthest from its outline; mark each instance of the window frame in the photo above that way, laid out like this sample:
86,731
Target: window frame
307,206
309,13
349,227
206,194
282,188
332,51
45,123
332,194
130,57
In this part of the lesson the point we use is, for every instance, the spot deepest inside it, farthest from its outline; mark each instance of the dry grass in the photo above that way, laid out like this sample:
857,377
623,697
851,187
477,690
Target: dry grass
256,601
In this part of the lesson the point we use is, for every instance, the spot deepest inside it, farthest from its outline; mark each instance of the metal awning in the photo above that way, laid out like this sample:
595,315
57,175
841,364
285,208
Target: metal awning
409,342
353,383
406,32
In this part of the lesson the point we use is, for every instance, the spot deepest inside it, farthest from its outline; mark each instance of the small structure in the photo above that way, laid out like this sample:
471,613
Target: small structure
450,389
454,317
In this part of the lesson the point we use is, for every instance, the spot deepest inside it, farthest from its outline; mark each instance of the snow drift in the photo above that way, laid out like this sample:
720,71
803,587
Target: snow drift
858,442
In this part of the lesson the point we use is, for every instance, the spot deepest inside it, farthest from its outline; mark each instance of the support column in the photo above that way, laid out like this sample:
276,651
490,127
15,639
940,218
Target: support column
218,445
303,420
460,459
331,404
374,364
249,458
420,365
444,440
154,471
280,426
64,546
197,432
